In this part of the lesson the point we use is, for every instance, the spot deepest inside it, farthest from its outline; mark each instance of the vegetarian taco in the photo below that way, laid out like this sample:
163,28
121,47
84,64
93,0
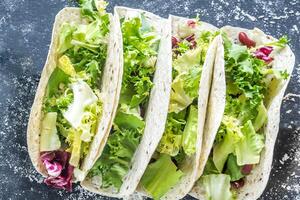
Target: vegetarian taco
142,106
240,133
171,172
74,101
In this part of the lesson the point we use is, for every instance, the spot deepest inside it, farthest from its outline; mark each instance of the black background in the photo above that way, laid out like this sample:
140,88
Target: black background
25,33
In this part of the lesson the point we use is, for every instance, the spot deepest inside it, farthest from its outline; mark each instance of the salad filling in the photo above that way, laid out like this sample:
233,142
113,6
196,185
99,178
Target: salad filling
240,138
178,142
140,43
72,105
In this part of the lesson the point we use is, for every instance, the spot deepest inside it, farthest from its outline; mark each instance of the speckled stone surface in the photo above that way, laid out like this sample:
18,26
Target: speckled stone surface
25,32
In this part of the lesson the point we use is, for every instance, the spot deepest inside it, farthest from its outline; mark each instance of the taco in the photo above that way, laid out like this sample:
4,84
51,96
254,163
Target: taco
142,105
74,101
171,173
242,122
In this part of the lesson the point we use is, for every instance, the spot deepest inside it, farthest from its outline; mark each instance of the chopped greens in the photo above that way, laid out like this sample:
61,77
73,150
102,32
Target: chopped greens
140,42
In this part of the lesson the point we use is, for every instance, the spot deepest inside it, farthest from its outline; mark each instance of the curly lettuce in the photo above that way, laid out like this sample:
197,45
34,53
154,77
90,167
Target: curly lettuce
115,160
171,140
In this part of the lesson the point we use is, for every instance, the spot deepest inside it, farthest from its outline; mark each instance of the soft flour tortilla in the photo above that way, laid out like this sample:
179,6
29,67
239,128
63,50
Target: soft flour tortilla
156,113
256,182
108,91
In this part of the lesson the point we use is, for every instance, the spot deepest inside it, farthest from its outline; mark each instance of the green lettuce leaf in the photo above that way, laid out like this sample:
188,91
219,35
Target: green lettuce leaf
88,127
57,77
189,60
232,168
217,186
129,118
179,99
282,42
171,140
192,81
142,87
185,88
140,42
190,131
92,9
49,138
261,117
75,147
83,96
249,148
65,37
210,167
160,176
114,162
232,134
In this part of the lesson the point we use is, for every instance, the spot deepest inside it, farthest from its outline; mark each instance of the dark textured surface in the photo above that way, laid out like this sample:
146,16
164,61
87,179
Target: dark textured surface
25,32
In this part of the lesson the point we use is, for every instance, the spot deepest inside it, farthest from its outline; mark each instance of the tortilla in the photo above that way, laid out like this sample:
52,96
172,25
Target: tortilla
157,109
108,91
256,181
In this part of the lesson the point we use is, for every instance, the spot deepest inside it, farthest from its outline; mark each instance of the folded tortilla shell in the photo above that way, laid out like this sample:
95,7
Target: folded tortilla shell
256,181
108,90
156,113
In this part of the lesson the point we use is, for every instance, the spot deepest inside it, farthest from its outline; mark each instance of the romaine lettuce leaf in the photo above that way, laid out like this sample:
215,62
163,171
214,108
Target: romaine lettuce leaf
75,147
83,96
92,9
49,138
65,37
232,168
261,117
190,131
179,99
217,186
57,77
226,146
210,167
160,176
129,118
249,148
189,60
